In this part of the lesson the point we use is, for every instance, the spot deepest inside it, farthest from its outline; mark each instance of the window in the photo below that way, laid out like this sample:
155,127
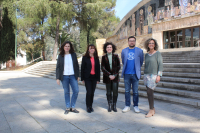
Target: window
175,3
196,37
153,9
188,37
161,3
179,38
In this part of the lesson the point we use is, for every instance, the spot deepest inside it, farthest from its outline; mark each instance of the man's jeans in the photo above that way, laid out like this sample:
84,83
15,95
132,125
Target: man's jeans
72,81
128,80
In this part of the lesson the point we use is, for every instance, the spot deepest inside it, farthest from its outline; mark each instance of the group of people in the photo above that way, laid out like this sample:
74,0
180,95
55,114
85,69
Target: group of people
67,71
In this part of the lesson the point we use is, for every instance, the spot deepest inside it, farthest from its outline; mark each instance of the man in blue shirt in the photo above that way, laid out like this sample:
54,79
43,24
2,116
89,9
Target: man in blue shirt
132,59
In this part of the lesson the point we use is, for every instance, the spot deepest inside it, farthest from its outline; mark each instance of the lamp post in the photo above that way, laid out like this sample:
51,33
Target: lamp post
16,39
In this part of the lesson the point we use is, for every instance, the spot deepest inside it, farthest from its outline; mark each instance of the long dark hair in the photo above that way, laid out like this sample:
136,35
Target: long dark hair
87,54
62,51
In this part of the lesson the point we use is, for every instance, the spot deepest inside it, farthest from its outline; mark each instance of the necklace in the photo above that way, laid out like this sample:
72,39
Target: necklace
152,52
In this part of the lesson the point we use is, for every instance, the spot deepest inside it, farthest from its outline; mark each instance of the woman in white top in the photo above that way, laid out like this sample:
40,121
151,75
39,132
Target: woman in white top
67,71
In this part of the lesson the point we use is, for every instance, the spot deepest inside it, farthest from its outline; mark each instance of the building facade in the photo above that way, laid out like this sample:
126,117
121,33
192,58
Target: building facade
173,23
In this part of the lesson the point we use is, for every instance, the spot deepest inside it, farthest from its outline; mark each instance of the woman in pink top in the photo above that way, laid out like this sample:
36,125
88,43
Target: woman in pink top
90,74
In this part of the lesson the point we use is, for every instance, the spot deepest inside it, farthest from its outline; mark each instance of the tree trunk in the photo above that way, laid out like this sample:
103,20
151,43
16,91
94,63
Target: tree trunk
32,56
56,39
42,38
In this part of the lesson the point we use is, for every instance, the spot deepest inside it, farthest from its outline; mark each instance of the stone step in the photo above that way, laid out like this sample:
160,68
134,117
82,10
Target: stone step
180,80
173,65
183,93
173,74
40,72
181,65
157,94
164,97
181,54
181,86
183,72
176,65
184,76
180,57
187,55
45,70
180,61
173,79
164,79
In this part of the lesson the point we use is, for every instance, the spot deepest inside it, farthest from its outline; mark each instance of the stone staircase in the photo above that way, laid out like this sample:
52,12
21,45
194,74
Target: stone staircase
180,82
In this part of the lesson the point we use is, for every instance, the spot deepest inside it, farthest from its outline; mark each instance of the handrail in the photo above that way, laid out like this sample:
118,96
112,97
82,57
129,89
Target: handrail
34,60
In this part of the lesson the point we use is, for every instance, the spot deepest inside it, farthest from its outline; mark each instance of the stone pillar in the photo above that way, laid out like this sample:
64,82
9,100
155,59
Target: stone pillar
99,44
159,37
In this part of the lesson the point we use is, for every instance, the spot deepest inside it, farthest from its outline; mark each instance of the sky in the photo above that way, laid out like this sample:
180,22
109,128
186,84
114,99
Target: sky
124,6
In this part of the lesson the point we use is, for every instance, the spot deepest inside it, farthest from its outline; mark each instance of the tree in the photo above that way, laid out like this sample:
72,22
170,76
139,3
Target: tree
36,11
7,41
61,11
88,15
33,48
107,25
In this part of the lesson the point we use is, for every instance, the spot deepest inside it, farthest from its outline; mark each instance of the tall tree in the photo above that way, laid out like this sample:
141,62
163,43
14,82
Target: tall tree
37,12
88,15
7,36
61,11
7,45
107,25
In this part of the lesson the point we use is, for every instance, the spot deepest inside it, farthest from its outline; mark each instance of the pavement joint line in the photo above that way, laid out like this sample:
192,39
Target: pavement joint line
105,130
172,130
31,115
6,119
76,126
56,114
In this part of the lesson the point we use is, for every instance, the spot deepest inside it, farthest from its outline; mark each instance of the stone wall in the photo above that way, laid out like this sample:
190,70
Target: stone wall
121,44
99,44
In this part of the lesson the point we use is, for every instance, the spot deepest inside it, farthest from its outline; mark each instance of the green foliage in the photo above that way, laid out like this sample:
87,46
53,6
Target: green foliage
7,38
43,22
107,25
33,48
83,41
89,13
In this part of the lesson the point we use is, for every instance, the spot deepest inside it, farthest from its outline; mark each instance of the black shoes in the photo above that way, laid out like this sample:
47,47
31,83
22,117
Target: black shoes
66,111
89,110
71,110
114,107
109,107
92,110
74,110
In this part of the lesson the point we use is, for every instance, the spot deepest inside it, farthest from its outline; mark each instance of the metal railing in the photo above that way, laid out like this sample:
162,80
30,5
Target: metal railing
34,60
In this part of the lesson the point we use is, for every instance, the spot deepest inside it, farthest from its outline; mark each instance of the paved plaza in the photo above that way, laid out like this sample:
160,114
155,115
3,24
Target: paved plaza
36,105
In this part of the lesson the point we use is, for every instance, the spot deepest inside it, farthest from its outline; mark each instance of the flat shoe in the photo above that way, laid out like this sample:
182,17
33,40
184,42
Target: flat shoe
66,111
74,110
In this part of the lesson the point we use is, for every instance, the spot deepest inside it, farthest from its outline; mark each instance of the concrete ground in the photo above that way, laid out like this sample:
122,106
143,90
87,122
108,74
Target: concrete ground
36,105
